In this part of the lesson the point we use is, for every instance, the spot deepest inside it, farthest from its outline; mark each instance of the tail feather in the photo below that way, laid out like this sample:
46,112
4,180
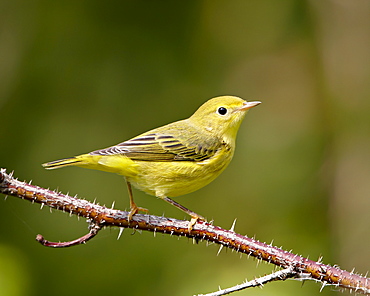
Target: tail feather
61,163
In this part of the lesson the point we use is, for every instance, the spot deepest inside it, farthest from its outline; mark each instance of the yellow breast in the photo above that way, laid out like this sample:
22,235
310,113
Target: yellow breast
179,177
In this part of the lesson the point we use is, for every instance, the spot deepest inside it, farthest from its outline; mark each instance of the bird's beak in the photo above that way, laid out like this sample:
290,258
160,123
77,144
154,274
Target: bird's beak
248,105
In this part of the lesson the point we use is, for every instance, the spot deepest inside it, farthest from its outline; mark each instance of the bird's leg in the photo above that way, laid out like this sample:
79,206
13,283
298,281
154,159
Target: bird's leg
194,216
133,207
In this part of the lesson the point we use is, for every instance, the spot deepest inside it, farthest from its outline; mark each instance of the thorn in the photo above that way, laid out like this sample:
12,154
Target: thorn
113,203
42,205
220,249
233,226
319,260
322,286
6,197
121,229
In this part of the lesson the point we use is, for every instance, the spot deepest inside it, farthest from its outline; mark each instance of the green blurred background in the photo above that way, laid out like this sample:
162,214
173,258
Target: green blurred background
82,75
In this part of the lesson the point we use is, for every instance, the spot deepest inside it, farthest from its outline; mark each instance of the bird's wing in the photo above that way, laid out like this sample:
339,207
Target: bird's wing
163,147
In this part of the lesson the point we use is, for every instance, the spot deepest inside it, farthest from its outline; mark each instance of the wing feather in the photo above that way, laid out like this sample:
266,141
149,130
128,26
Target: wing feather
162,147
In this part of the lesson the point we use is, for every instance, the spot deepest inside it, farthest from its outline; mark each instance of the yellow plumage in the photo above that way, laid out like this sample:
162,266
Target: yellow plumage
174,159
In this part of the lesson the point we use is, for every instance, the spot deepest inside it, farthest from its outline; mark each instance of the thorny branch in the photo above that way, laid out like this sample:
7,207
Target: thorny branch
100,216
280,275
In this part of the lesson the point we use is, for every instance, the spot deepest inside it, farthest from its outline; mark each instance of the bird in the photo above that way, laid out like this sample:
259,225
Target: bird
174,159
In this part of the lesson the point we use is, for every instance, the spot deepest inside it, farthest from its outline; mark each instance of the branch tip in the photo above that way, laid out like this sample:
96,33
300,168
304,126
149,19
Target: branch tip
82,240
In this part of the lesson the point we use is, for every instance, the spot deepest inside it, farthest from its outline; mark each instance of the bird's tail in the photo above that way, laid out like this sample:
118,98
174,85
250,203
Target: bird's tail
71,161
118,164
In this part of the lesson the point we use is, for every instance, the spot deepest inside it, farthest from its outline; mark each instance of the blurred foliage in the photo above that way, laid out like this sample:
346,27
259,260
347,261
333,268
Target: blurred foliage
81,75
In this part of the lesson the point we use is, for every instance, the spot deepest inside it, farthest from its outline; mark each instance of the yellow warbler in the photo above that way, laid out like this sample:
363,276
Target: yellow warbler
174,159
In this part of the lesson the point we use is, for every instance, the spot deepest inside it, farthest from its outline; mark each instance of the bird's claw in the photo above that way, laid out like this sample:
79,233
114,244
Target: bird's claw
134,210
194,220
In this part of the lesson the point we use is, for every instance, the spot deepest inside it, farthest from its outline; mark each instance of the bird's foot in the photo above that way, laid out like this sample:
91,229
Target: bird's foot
134,210
194,219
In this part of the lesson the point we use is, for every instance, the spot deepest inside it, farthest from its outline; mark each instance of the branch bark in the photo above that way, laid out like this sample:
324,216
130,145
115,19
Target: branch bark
280,275
100,216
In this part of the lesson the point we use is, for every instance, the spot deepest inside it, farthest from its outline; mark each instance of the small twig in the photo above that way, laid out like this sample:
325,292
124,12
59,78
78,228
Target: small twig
94,229
101,216
280,275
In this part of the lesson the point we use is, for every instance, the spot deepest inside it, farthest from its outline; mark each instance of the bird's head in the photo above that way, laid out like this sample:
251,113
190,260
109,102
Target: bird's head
222,116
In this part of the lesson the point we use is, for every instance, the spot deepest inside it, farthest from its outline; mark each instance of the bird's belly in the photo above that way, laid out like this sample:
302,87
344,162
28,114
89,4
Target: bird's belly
178,177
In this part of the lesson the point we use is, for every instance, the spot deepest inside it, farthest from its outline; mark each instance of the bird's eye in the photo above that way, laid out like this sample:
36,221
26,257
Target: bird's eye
222,110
